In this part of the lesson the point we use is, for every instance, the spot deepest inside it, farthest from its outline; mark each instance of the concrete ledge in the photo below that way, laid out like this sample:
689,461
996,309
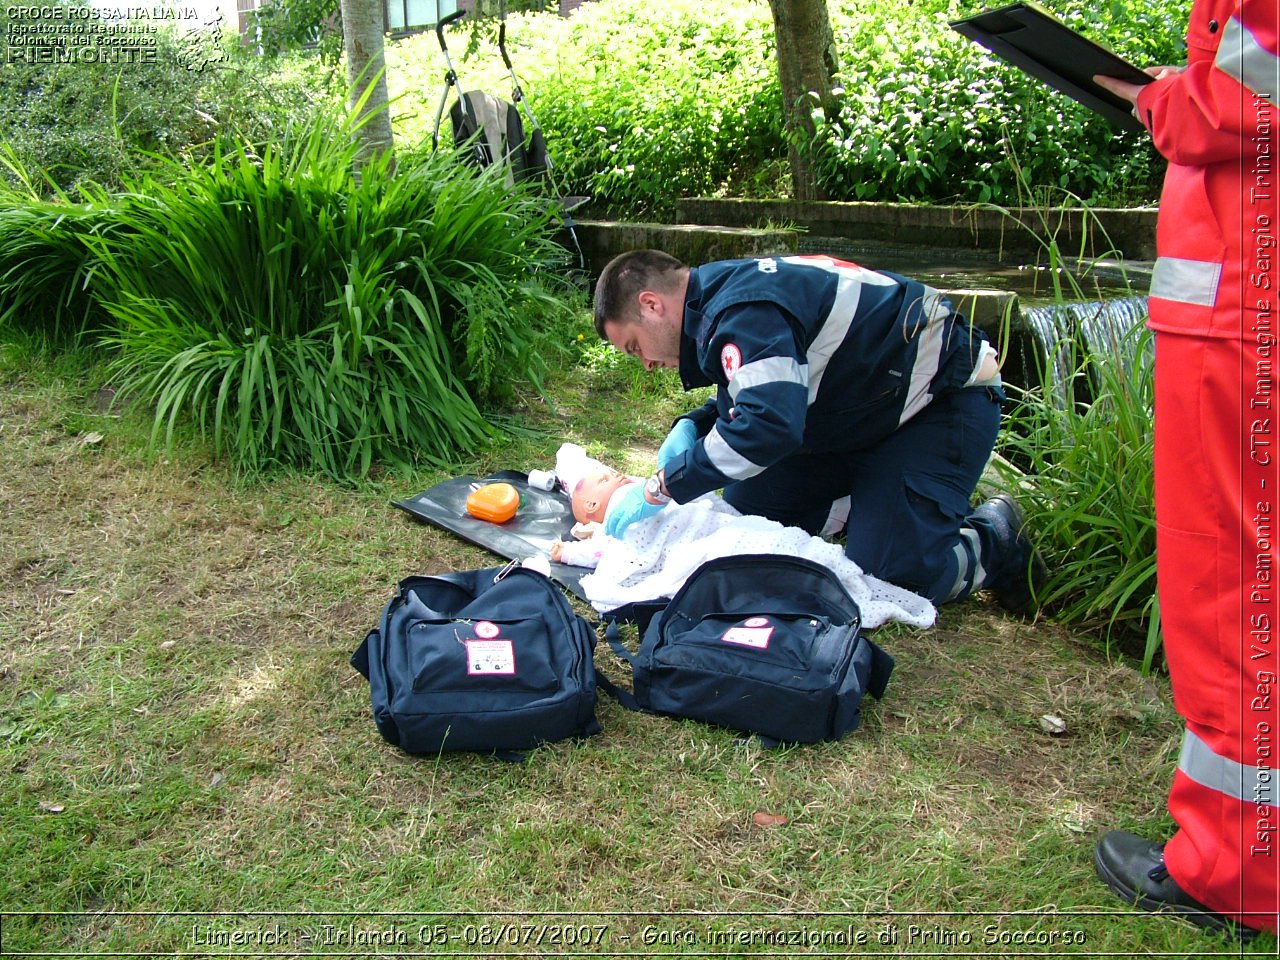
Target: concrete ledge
601,240
998,314
1079,233
992,310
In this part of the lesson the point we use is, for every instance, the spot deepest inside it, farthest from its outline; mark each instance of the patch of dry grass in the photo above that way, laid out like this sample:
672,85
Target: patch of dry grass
180,730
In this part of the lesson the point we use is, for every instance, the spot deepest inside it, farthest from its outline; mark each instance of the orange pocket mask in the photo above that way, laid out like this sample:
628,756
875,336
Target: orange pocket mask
495,502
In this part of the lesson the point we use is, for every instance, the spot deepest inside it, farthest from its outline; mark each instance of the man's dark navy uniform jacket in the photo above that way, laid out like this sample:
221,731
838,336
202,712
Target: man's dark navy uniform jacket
809,353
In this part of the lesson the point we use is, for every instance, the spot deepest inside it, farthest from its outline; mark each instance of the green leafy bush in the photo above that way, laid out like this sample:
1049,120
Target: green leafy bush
305,315
643,103
291,25
79,120
927,115
646,103
84,121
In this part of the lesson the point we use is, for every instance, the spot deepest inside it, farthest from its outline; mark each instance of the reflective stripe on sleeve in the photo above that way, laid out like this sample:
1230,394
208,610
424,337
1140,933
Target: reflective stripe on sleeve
1236,780
1186,281
834,329
758,373
1243,58
928,355
726,459
934,305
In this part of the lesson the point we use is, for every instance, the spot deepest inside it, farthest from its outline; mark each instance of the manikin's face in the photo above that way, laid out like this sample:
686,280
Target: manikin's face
591,496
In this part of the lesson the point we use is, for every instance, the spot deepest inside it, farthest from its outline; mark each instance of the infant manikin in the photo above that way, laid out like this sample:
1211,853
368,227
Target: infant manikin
590,499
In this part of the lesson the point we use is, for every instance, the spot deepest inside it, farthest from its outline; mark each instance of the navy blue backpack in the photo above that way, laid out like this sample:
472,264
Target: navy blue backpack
492,660
766,644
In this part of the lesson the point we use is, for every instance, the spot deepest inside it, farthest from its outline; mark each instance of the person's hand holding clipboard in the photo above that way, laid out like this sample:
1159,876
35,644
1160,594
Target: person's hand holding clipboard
1129,91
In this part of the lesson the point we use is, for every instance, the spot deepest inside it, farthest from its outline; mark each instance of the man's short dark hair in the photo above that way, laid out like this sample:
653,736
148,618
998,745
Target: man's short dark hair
624,277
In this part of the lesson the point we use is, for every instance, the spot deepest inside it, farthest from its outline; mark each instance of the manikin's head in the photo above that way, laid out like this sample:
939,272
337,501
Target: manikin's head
590,498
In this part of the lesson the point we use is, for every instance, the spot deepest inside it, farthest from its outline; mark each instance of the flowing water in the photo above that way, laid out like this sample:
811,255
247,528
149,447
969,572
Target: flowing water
1103,328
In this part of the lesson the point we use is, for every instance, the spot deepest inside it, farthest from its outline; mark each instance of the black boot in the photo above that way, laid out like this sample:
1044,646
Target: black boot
1021,571
1134,870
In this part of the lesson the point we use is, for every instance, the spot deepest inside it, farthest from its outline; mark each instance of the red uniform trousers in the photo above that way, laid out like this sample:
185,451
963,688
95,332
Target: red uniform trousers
1218,528
1217,420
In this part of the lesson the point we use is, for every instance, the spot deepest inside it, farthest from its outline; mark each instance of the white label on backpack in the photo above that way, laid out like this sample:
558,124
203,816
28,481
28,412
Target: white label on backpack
752,635
486,630
490,657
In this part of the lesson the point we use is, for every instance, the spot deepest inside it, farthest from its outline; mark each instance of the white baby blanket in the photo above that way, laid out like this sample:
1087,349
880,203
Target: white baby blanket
657,555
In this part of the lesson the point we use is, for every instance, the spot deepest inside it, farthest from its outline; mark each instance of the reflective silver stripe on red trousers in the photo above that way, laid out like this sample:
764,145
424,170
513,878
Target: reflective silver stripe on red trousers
1248,783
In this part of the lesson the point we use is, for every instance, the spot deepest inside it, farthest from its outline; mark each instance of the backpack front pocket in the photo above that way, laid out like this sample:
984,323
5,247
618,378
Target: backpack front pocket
481,657
769,647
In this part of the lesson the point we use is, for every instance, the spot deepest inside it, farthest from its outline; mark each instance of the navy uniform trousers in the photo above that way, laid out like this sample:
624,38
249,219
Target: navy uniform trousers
910,521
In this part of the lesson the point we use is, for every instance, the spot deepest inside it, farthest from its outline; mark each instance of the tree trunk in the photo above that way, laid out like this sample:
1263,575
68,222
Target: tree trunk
362,28
806,64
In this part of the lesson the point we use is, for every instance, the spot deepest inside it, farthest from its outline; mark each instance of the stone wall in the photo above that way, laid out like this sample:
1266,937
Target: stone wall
601,240
1079,233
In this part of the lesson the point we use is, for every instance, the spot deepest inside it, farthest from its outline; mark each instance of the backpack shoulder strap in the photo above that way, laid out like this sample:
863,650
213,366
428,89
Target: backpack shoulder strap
881,667
613,636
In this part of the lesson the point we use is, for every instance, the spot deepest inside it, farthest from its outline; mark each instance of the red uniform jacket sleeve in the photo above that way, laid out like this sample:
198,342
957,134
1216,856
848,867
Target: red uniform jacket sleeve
1195,116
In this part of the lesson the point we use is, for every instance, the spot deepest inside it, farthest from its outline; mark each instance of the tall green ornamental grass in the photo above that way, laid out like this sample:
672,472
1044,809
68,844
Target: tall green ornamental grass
44,270
303,314
1078,457
1077,444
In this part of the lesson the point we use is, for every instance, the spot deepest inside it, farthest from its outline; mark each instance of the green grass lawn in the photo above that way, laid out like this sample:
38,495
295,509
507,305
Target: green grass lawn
190,766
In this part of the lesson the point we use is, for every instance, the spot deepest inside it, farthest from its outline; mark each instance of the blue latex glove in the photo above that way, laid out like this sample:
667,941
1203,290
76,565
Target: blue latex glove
681,439
630,507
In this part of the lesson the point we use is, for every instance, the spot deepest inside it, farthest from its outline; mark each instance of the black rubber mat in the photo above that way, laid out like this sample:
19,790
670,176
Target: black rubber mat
544,517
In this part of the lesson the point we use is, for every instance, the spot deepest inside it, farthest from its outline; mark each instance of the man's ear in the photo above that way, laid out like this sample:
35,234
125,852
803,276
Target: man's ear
649,302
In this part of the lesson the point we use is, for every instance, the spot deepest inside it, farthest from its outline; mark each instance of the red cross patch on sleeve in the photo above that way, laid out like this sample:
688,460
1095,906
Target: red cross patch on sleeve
730,359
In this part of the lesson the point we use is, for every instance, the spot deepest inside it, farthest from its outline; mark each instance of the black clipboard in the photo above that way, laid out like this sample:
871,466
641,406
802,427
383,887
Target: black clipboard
1037,42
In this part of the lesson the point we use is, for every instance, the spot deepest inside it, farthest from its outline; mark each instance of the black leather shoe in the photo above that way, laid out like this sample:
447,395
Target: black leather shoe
1134,870
1025,569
